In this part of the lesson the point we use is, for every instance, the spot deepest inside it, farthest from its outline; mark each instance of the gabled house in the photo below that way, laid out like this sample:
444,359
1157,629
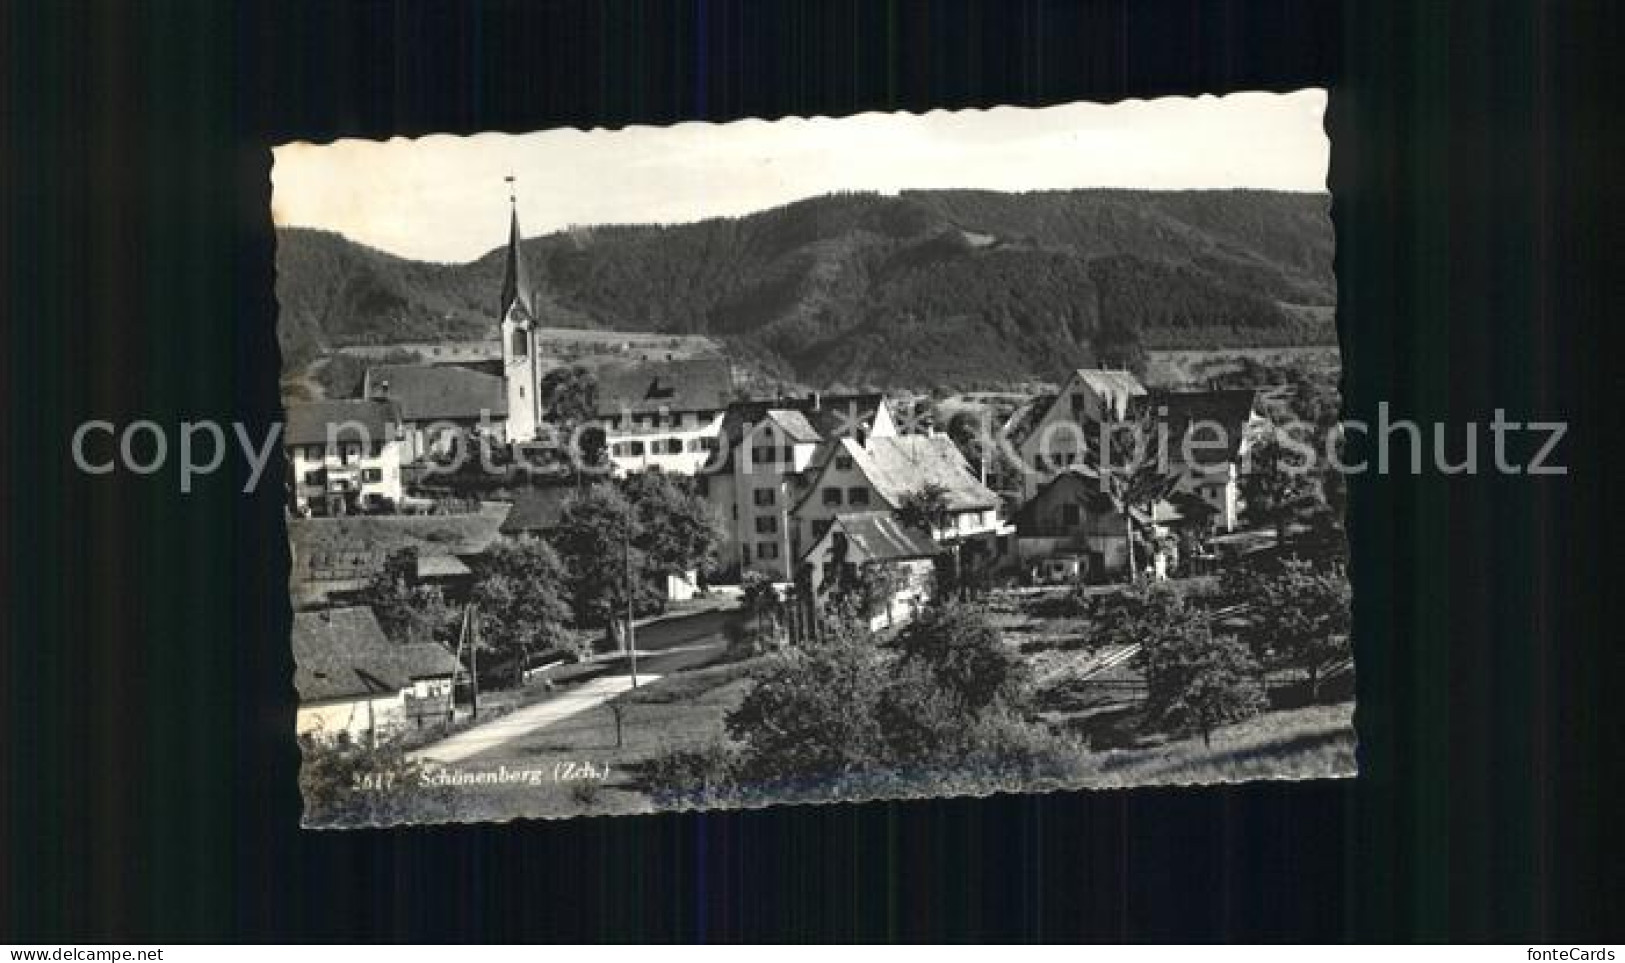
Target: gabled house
1065,431
664,415
343,456
438,404
768,450
1209,433
1071,517
357,687
1199,437
879,474
856,541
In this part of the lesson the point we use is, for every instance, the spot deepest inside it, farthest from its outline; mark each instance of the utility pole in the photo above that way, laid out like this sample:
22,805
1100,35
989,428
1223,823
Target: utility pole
626,564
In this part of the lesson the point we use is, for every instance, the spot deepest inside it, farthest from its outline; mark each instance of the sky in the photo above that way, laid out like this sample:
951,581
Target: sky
444,198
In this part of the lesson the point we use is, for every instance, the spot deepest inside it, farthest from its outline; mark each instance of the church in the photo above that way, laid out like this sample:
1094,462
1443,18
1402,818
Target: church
656,415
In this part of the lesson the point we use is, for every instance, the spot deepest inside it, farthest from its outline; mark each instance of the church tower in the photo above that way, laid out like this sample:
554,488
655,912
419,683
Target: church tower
518,314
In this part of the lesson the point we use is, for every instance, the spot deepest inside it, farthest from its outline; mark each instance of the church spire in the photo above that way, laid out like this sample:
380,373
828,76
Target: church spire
515,279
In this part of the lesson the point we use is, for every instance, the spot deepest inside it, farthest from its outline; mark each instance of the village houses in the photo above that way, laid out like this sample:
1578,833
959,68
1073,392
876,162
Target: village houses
344,457
439,404
1200,436
770,447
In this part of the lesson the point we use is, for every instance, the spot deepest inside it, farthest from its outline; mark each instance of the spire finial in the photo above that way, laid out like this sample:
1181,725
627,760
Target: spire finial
512,200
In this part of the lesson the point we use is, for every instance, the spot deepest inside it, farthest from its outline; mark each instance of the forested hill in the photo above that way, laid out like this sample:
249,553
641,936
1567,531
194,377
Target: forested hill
920,288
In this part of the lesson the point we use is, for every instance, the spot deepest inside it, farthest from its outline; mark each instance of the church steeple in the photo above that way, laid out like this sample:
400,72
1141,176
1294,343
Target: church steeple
515,280
517,318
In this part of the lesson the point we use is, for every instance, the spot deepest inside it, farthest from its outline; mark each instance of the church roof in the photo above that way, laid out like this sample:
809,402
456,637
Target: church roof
428,392
702,384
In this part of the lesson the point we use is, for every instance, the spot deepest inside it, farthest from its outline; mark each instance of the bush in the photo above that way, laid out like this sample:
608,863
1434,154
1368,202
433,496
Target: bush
966,657
706,776
367,786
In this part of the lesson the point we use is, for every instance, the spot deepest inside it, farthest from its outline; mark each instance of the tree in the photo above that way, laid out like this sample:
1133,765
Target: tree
926,508
760,600
669,530
569,396
591,539
407,610
521,599
1273,488
966,429
1298,616
814,710
1195,679
965,655
675,528
1133,476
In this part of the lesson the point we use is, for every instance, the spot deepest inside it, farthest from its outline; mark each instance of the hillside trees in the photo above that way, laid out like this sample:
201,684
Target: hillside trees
934,286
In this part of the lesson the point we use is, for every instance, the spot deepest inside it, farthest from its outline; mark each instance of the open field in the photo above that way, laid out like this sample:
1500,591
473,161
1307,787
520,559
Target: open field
1310,743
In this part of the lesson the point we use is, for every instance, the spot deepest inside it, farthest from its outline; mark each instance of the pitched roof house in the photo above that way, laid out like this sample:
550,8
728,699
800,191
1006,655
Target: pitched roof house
881,474
858,539
343,456
353,683
352,420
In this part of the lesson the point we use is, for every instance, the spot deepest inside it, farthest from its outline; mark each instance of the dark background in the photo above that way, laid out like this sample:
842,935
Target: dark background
149,790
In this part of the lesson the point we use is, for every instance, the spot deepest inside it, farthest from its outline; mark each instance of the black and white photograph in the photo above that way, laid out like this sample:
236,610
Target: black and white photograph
814,460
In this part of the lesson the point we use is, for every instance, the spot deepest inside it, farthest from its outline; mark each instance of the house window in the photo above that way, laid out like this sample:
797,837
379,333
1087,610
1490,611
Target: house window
316,477
787,454
671,446
1071,515
377,449
767,550
843,462
763,497
765,454
857,496
744,553
767,525
372,476
832,496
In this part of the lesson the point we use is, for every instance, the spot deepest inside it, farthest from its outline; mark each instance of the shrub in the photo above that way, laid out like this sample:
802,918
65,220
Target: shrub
705,776
362,786
966,656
